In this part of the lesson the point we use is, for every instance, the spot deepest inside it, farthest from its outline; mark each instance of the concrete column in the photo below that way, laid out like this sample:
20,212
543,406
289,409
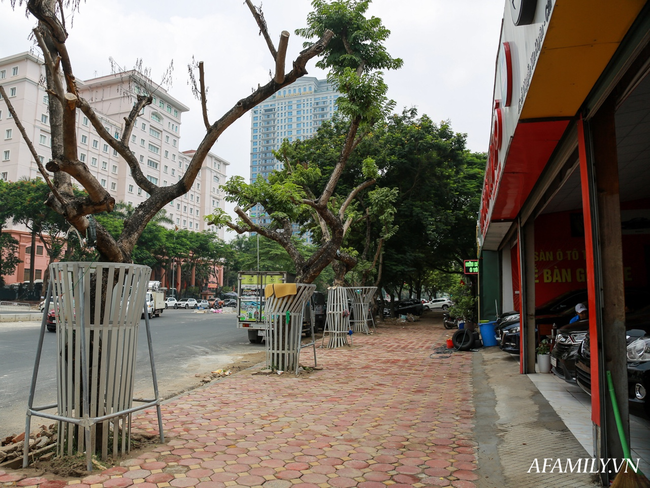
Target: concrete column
527,273
603,130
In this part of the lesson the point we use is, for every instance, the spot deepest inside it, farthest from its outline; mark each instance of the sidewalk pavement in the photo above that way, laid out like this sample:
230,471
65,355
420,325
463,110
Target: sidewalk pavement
395,409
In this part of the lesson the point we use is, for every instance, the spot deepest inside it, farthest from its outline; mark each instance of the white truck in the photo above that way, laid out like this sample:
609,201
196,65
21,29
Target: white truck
155,299
250,300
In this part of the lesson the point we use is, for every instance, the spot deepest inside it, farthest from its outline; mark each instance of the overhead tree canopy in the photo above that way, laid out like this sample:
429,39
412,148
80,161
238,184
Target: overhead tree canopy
353,58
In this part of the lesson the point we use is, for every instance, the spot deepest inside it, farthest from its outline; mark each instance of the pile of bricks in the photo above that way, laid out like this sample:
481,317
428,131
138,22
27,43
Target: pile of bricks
41,445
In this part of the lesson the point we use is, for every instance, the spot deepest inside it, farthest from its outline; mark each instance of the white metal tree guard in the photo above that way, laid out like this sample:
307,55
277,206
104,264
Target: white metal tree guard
98,308
360,298
337,325
285,304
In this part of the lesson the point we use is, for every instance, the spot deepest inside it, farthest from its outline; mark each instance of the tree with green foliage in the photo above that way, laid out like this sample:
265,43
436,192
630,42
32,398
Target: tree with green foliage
272,257
354,58
46,226
439,186
8,245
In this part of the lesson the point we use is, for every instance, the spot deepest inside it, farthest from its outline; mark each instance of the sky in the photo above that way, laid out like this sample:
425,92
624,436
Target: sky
449,50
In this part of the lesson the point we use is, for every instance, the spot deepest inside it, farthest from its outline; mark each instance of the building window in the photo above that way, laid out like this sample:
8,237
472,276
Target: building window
173,171
82,157
144,126
139,191
6,155
152,164
95,144
104,165
155,133
44,118
8,133
155,117
141,158
165,168
130,188
84,121
114,169
93,161
103,183
3,74
105,148
12,92
84,139
43,139
153,179
154,149
4,176
113,186
133,138
14,71
142,142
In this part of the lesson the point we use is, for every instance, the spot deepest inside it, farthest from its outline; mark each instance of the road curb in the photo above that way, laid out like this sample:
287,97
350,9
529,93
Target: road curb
21,317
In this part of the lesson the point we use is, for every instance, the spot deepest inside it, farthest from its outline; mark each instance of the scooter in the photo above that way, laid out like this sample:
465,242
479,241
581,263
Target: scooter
449,322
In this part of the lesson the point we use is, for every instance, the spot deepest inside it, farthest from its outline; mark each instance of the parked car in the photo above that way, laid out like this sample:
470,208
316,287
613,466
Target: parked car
565,350
187,303
556,312
438,304
504,321
410,305
203,304
171,302
50,323
637,337
230,302
569,337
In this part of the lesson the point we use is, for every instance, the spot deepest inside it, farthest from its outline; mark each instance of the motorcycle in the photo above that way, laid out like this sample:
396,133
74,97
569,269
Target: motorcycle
449,322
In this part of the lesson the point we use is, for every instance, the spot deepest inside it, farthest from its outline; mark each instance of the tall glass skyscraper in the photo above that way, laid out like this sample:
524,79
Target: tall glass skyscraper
294,113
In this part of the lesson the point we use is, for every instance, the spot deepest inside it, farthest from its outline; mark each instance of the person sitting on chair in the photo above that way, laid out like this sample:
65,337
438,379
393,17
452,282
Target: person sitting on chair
581,310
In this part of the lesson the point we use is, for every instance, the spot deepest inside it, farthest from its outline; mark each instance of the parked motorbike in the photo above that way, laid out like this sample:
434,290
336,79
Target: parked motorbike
449,322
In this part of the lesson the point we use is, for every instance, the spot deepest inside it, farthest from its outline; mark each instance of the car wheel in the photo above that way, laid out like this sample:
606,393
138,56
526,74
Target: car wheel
445,307
186,307
463,339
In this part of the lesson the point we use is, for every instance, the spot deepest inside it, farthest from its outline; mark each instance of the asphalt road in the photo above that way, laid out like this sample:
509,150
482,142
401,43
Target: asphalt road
185,344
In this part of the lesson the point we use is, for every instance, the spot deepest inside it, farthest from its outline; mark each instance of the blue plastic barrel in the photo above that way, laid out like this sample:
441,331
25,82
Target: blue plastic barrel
487,334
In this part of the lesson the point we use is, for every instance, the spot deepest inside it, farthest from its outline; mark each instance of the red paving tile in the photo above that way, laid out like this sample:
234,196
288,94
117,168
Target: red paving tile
403,420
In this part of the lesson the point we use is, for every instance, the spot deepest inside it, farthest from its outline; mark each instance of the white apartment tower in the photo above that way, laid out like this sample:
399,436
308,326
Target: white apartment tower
156,138
293,113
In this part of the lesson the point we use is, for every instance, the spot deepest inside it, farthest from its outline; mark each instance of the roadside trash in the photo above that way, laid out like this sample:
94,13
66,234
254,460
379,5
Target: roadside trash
450,344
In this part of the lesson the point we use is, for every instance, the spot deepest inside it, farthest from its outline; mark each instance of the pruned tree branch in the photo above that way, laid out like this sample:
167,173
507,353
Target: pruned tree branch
280,58
353,194
204,98
261,23
31,147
